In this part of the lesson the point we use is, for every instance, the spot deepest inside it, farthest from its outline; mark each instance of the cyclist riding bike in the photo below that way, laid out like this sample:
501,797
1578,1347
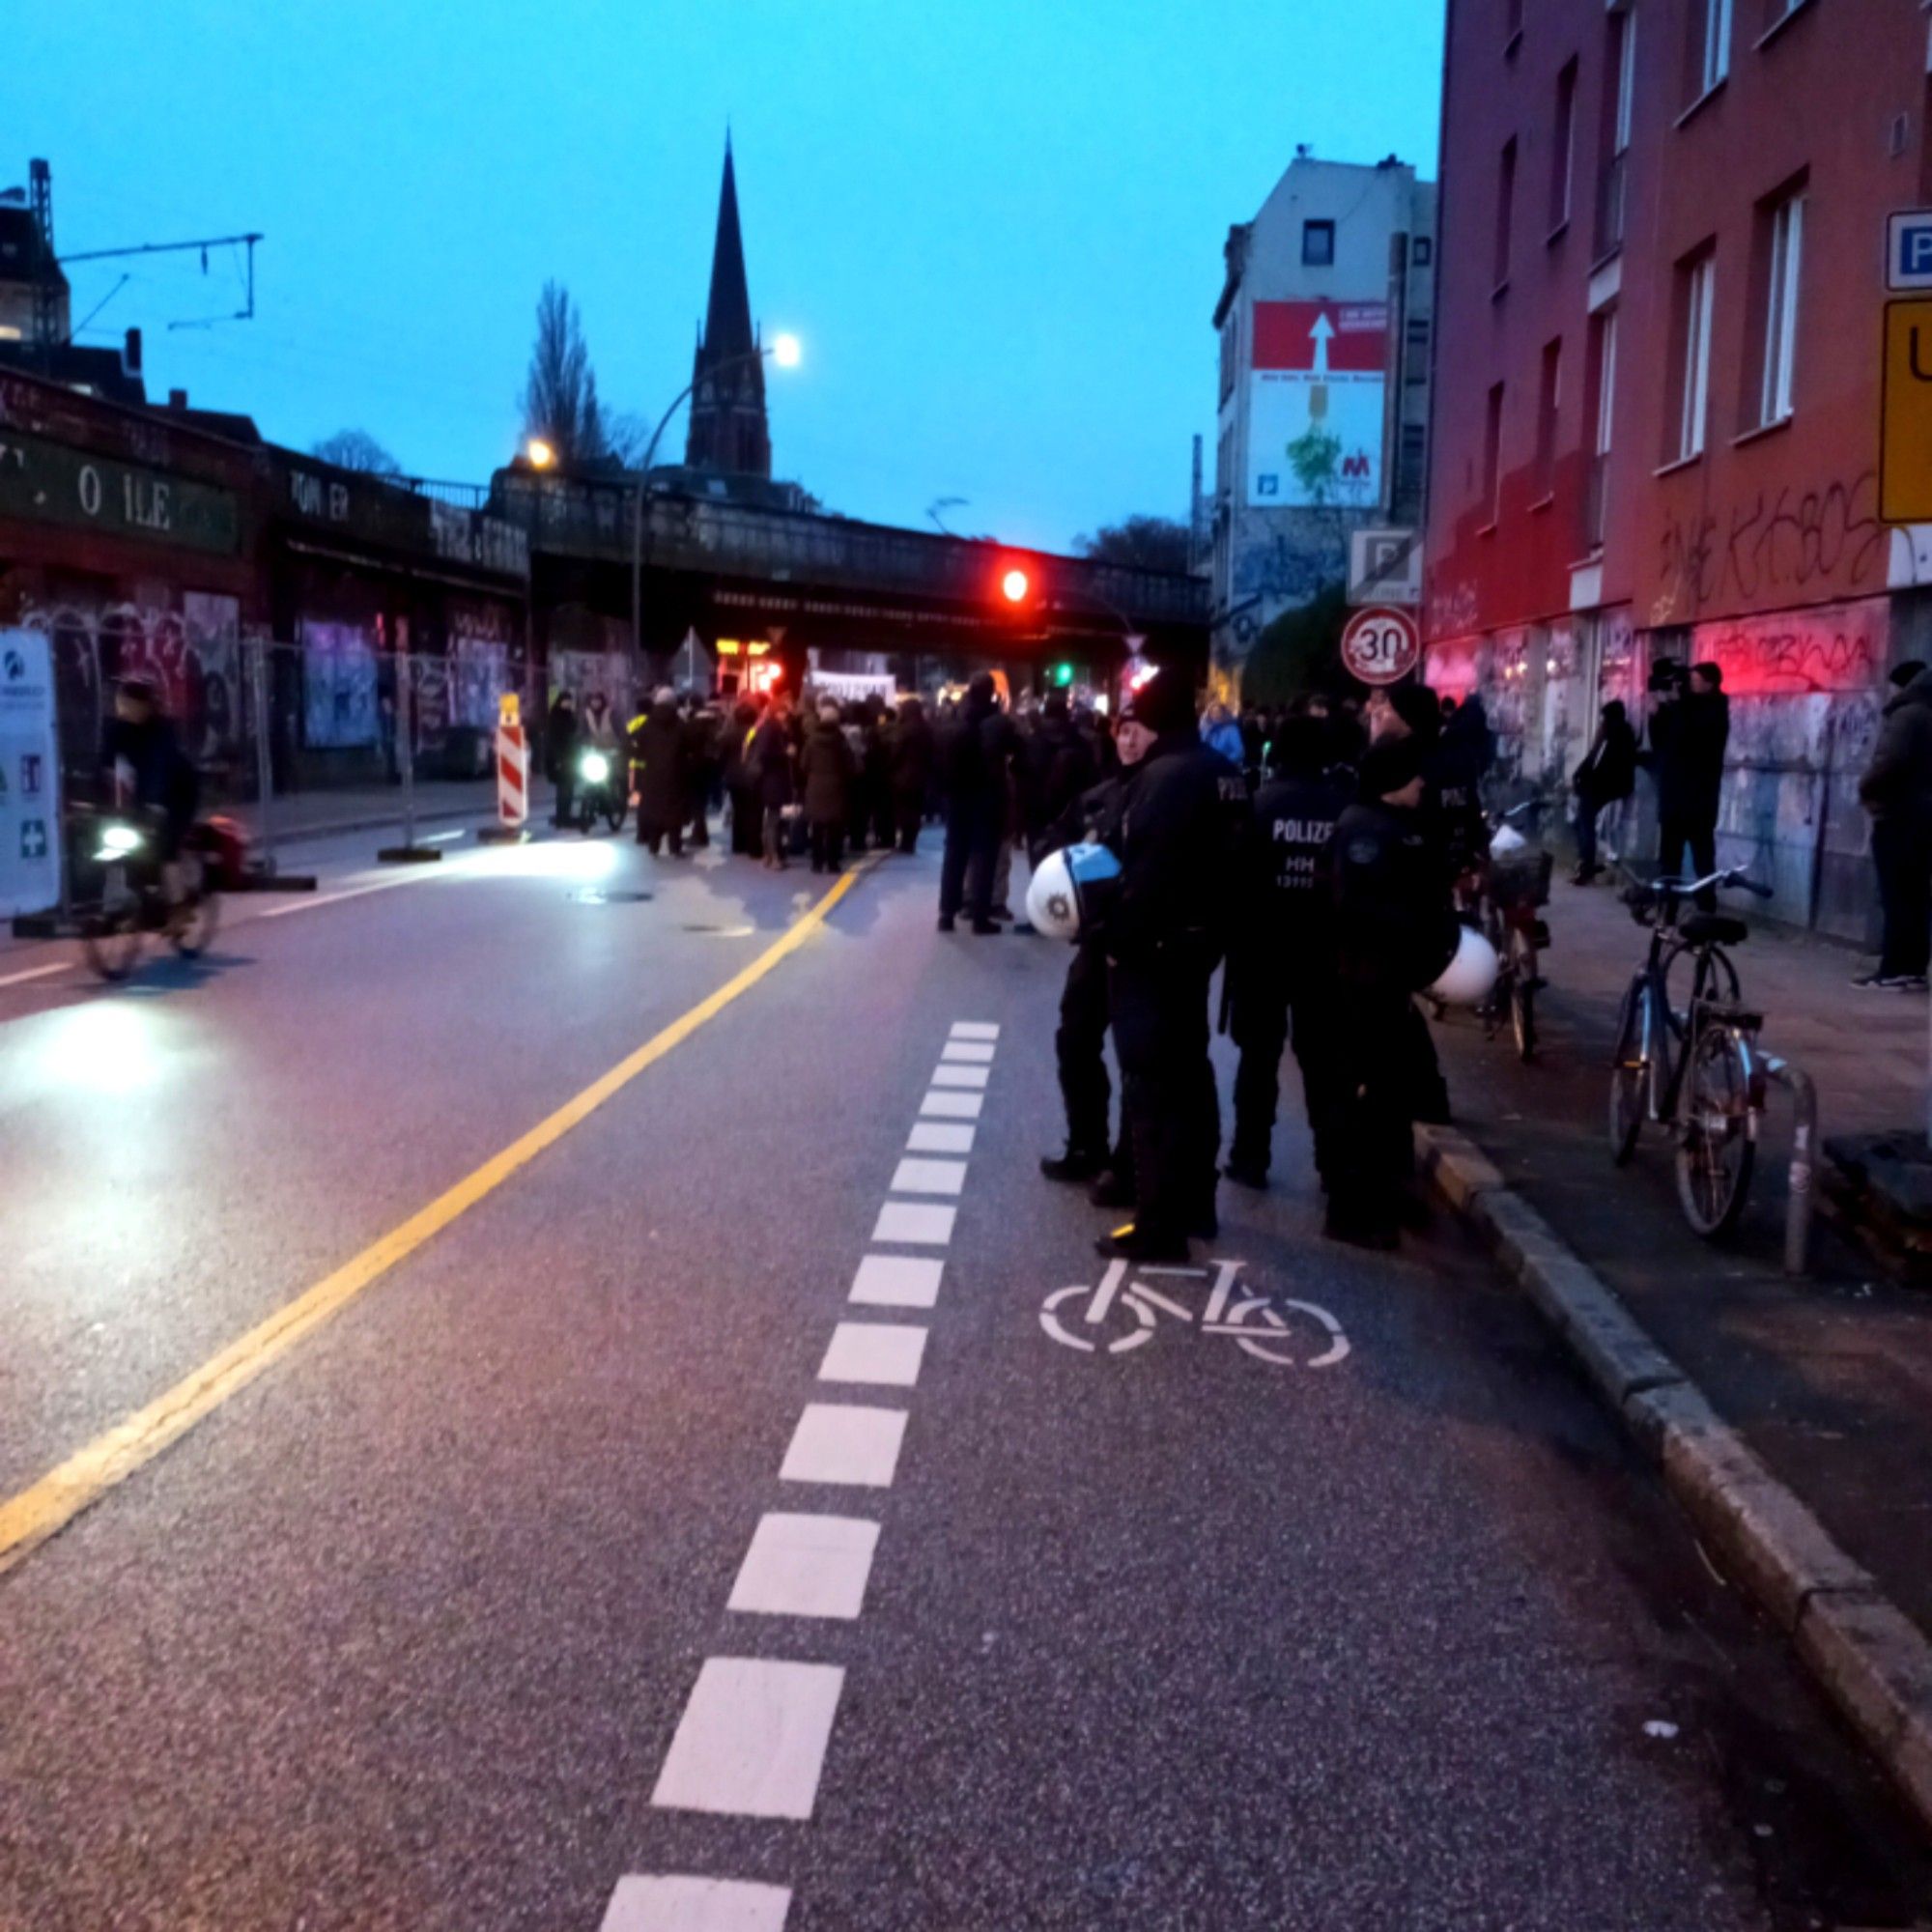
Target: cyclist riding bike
145,771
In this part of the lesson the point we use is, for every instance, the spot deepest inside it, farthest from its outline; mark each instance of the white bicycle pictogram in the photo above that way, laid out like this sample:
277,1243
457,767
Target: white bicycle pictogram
1120,1316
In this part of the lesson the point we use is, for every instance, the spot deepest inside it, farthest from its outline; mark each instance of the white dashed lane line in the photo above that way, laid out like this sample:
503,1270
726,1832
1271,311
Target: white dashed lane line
682,1904
846,1442
916,1223
897,1281
755,1733
806,1566
751,1741
886,1352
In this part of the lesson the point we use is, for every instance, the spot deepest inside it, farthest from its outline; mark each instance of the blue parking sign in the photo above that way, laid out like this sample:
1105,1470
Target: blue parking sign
1907,252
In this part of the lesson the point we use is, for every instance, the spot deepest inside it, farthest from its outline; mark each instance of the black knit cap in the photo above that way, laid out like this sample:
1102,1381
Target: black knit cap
1164,703
1419,708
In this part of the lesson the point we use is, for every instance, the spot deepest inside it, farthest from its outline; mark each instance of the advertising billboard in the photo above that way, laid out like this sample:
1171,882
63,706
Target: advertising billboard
1314,404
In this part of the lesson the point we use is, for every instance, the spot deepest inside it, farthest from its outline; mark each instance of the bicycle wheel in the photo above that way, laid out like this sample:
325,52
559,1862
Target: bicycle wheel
1523,993
1630,1072
1717,1144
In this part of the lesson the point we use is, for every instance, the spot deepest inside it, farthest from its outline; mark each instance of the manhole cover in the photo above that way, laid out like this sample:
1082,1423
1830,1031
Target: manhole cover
593,896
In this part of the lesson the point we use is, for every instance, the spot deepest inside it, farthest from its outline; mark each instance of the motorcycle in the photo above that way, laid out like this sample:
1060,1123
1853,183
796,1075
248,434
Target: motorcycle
598,790
134,901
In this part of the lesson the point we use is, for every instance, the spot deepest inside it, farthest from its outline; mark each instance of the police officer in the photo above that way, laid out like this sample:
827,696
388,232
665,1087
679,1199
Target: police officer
1079,1045
1395,932
1163,940
1282,963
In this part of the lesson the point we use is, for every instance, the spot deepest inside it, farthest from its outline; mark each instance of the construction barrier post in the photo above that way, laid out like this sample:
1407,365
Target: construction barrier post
513,776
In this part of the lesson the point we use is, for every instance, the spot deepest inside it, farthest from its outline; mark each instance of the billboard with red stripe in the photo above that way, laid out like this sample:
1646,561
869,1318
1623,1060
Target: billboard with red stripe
1314,404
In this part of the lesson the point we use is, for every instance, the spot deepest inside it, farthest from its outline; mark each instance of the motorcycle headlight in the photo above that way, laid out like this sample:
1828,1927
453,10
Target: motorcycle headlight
595,766
118,840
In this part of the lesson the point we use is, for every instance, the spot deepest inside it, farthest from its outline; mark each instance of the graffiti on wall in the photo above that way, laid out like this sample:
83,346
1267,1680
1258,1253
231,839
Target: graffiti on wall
1453,609
1298,568
1831,648
1793,541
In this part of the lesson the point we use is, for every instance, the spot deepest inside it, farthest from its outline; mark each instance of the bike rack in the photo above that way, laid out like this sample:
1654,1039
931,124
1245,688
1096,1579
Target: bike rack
1803,1140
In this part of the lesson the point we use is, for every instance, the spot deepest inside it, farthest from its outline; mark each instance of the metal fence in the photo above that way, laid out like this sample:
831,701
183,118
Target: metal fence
293,737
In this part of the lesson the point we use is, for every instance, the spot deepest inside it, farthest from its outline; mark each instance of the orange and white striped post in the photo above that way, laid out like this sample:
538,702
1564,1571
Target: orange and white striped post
513,774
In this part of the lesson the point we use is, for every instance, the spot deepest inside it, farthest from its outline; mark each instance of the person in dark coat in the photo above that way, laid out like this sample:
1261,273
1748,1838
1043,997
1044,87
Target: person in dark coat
703,757
1896,790
1606,777
1163,936
1689,733
741,781
1453,775
1061,770
1395,932
770,758
828,771
561,755
657,774
875,776
1281,967
978,758
911,760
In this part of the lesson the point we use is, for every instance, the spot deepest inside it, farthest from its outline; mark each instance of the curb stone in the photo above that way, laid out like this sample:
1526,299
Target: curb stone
1870,1659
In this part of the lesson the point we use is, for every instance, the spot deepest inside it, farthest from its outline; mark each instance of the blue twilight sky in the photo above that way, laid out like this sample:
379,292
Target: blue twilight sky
996,224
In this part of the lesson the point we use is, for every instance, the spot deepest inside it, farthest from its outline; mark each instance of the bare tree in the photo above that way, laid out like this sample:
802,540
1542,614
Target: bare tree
559,399
1151,543
356,450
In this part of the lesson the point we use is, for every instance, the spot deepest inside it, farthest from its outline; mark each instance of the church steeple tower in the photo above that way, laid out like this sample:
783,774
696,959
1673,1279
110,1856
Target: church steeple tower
728,429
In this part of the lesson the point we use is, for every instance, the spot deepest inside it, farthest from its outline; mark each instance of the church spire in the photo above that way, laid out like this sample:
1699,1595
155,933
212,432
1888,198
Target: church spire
729,431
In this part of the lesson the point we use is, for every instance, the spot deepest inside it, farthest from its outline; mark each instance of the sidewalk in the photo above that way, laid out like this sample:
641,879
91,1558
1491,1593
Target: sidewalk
294,816
1828,1377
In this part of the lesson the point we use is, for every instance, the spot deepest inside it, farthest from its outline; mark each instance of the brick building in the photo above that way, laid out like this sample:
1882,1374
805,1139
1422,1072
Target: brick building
1656,427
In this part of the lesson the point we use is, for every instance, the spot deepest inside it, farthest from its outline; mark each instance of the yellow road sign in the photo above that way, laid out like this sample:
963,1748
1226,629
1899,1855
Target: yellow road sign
1905,443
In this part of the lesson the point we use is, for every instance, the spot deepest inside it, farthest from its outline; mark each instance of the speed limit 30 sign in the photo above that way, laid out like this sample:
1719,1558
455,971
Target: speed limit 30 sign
1381,645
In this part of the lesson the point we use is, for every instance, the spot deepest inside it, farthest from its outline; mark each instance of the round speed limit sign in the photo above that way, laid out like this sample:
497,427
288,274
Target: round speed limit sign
1381,645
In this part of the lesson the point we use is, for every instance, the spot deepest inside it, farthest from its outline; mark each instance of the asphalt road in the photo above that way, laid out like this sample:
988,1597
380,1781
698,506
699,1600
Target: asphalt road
491,1593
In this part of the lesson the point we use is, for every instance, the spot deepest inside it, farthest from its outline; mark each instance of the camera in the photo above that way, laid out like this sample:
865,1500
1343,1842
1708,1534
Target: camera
1667,677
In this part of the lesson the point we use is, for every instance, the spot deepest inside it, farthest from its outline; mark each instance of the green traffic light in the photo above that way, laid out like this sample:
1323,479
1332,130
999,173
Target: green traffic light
1062,673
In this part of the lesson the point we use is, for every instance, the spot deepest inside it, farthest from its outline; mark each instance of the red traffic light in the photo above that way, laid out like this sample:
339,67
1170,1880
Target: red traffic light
1015,585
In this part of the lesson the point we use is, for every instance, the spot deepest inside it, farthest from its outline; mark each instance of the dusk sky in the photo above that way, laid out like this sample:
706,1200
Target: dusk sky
996,226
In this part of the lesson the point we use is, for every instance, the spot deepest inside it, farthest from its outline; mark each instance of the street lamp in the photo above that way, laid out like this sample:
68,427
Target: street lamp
540,453
784,348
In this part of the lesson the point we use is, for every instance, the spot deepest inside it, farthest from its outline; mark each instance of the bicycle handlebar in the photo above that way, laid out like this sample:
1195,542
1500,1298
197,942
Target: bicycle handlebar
1732,878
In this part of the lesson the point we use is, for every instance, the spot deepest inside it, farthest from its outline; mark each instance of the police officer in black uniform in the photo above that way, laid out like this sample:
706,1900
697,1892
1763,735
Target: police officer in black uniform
1282,963
1163,938
1079,1045
1395,932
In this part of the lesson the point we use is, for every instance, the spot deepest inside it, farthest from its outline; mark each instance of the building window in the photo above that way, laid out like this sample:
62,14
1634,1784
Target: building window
1421,251
1776,12
1563,150
1602,406
1711,25
1784,227
1620,79
1492,457
1505,211
1318,244
1696,287
1415,356
1548,410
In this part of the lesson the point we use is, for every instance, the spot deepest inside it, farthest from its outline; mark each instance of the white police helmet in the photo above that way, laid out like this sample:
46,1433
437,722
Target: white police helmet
1466,979
1063,897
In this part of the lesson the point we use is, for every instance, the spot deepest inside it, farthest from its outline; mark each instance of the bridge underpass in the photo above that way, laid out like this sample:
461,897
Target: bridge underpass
793,581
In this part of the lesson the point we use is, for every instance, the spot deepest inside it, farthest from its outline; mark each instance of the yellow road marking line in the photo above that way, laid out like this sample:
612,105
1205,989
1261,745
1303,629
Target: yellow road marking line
33,1515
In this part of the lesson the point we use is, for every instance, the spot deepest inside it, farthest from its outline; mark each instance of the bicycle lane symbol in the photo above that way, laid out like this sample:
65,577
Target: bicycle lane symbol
1118,1315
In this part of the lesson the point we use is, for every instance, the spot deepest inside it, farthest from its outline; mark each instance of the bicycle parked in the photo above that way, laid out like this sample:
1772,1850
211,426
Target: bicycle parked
1695,1068
1503,899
